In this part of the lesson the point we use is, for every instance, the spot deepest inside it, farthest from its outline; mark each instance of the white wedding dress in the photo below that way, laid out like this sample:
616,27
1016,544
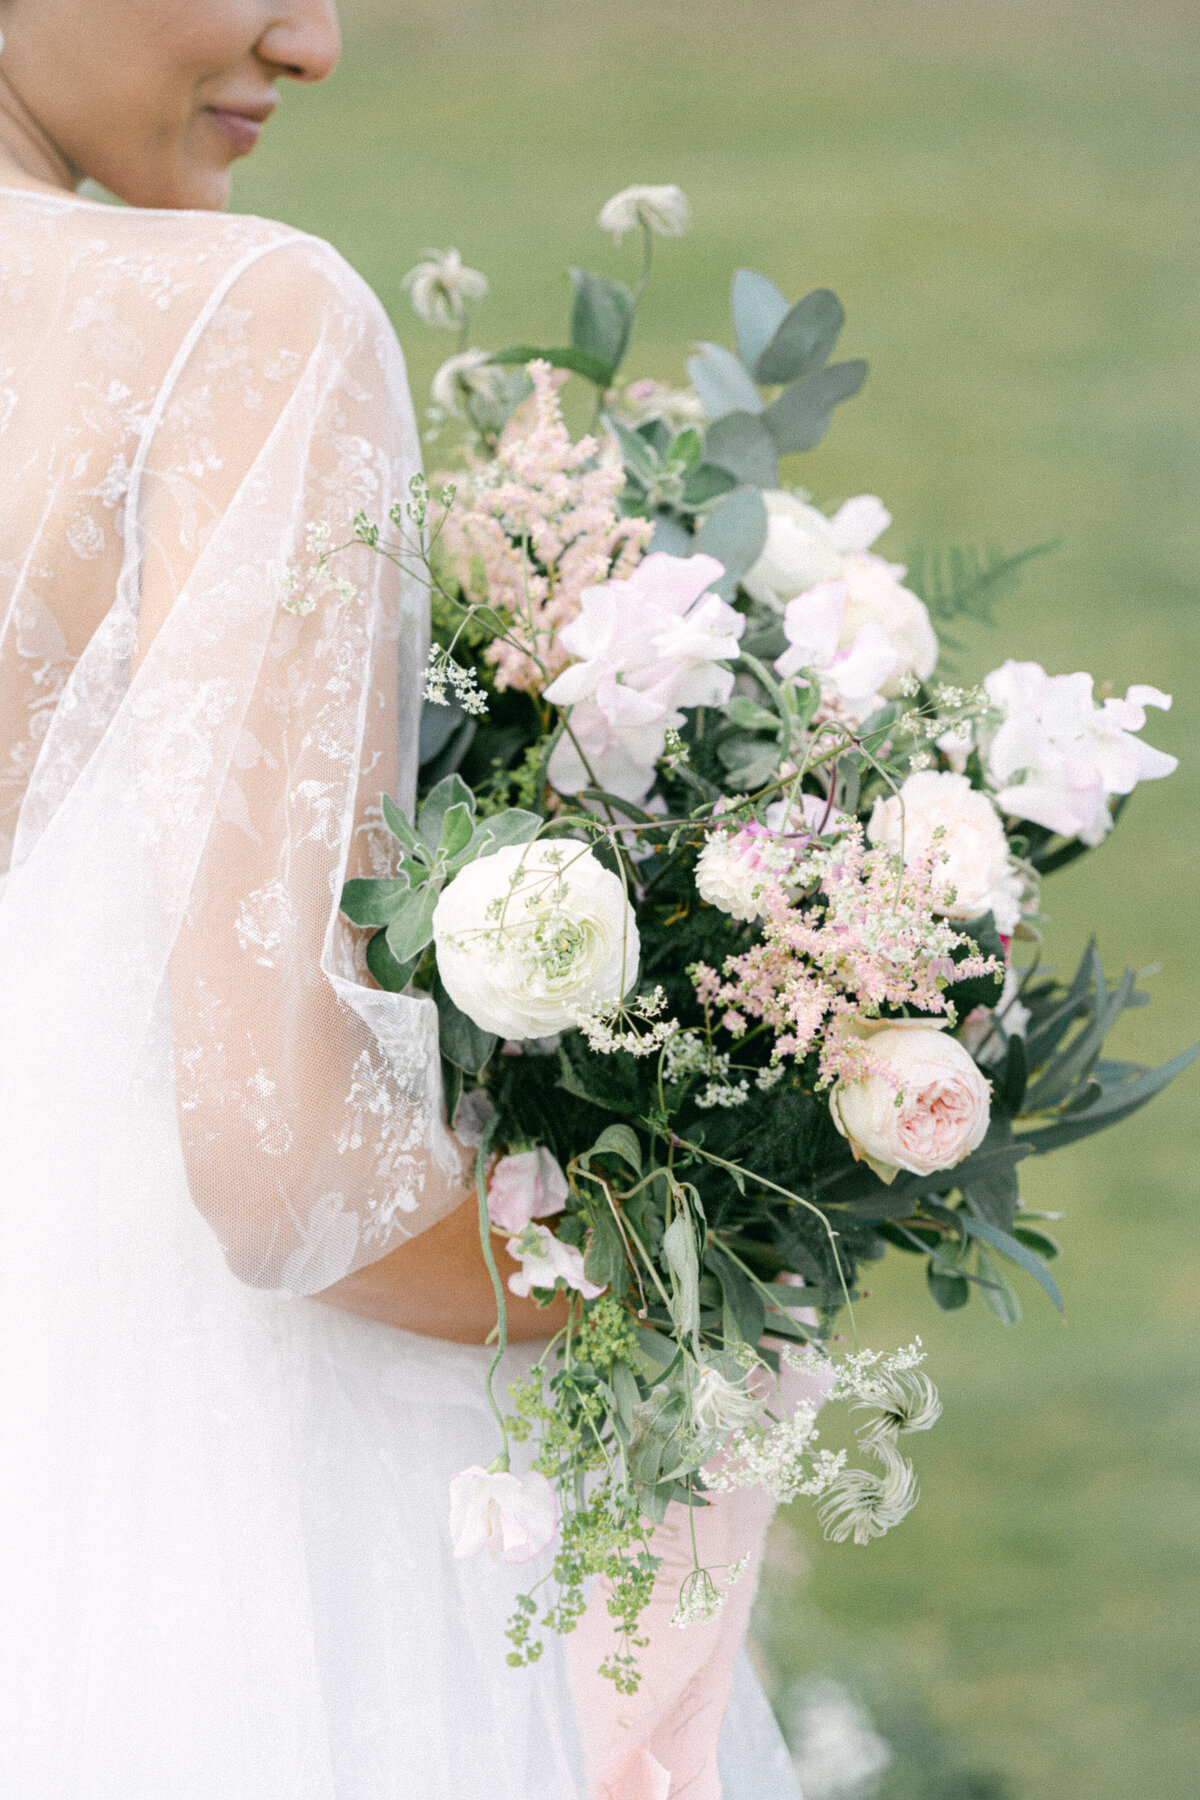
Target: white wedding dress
224,1565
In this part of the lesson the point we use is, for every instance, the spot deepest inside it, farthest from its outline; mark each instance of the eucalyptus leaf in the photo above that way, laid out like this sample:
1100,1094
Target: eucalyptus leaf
562,356
679,1248
758,311
722,382
706,483
391,975
458,827
451,791
735,533
399,826
601,319
373,902
412,926
998,1291
803,340
741,443
672,536
462,1042
800,417
617,1140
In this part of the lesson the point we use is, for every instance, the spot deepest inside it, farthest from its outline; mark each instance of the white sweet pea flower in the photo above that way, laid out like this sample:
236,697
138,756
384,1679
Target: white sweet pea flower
875,595
1057,758
664,210
514,1517
532,936
545,1261
440,287
978,864
647,646
806,816
858,670
529,1185
928,1109
804,550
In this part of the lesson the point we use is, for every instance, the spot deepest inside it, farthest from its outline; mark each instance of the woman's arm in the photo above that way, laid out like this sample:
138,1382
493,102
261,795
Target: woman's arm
438,1285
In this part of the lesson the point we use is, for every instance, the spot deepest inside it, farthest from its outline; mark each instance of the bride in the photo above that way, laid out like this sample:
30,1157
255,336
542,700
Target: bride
224,1561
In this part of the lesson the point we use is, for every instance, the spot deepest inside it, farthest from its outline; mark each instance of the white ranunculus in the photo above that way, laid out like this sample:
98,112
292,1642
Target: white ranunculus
528,1185
440,287
664,210
978,863
533,935
545,1261
932,1112
1057,758
876,596
513,1516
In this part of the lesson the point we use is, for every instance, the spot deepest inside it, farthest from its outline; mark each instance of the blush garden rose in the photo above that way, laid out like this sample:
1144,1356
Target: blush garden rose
926,1109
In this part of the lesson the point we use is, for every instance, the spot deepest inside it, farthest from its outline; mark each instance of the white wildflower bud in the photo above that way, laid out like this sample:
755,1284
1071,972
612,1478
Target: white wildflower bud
863,1505
664,210
720,1406
905,1400
440,287
471,372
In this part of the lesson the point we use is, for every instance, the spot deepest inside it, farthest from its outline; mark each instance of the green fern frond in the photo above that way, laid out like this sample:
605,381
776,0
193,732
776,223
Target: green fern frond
963,581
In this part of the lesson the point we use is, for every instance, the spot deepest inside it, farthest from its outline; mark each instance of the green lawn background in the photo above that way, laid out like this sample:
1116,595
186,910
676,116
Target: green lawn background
1006,199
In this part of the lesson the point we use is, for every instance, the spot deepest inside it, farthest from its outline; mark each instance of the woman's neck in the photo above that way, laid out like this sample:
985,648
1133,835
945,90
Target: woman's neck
29,157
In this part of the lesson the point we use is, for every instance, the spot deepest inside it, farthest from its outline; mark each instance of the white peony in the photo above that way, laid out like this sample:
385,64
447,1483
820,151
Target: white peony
663,209
545,1261
1057,758
647,646
735,868
513,1516
440,287
978,864
532,935
932,1112
804,549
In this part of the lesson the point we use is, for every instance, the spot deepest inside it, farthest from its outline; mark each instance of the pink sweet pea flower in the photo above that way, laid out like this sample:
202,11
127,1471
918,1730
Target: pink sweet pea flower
529,1185
513,1516
545,1260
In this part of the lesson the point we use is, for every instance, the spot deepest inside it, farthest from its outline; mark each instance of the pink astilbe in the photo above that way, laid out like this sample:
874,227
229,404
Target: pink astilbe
867,939
533,528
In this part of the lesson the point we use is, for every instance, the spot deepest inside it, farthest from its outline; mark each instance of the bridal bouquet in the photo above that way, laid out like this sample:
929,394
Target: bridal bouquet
718,889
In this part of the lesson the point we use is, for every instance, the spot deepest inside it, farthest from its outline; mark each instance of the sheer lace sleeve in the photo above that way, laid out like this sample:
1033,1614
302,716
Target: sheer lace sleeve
309,1100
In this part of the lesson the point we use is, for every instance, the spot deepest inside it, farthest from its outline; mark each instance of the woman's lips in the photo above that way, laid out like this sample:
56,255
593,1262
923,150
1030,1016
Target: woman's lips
242,129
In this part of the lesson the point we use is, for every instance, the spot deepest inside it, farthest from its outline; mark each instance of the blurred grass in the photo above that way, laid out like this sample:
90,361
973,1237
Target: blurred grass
1005,199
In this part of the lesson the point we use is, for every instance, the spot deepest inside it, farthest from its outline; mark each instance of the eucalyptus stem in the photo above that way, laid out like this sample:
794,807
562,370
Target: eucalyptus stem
485,1239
